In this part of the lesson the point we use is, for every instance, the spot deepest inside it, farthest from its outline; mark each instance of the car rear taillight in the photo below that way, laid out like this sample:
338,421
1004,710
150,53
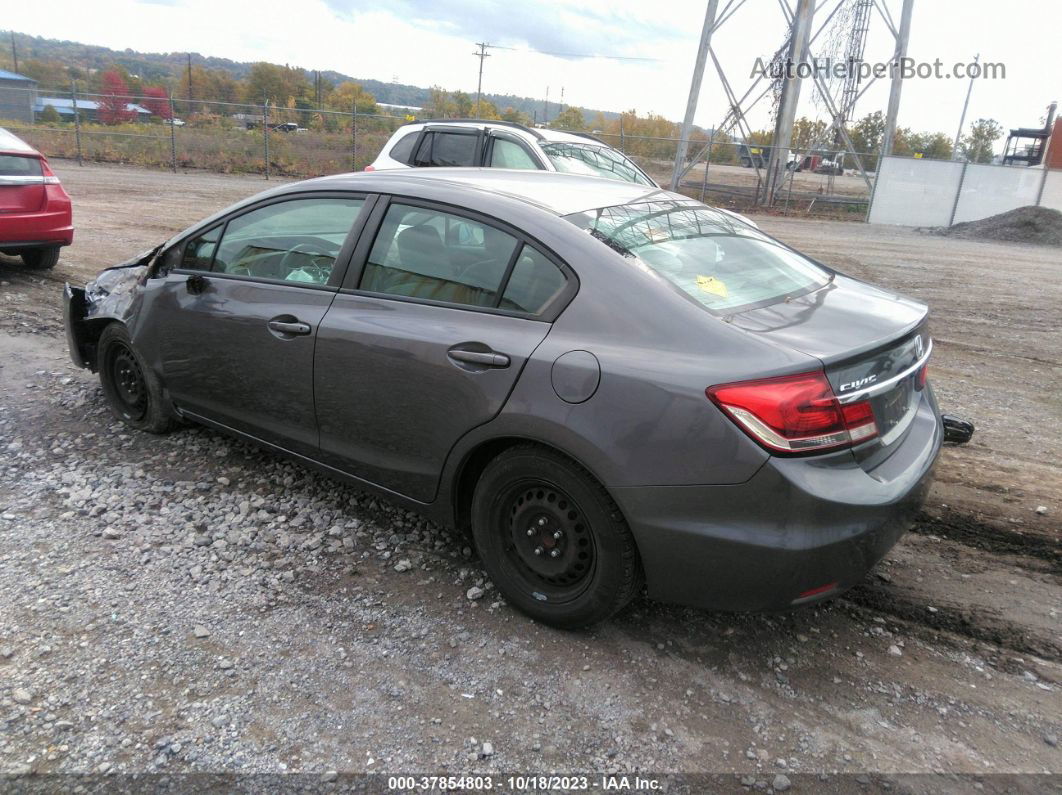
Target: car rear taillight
49,175
368,168
795,413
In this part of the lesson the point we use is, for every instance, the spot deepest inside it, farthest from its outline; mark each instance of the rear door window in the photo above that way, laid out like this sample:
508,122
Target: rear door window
437,256
448,149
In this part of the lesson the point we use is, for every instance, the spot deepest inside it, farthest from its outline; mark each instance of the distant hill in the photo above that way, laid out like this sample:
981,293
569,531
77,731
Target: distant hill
153,66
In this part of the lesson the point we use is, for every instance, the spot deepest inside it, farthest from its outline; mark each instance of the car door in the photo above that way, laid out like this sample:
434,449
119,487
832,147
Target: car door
240,309
438,314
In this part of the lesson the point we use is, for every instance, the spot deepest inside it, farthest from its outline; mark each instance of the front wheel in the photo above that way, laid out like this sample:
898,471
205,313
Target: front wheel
41,258
134,394
552,539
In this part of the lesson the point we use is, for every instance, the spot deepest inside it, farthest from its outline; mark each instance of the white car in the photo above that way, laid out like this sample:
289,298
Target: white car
501,144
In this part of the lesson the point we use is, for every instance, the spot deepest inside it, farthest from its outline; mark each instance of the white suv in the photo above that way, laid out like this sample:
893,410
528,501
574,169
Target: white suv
501,144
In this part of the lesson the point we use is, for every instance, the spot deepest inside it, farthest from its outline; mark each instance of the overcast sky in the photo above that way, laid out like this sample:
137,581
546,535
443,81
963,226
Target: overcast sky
426,42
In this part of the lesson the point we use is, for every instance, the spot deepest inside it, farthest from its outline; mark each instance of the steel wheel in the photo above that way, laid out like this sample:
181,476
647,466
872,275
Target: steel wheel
128,379
549,547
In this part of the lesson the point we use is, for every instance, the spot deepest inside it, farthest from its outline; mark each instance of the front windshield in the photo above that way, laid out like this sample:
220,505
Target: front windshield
719,261
595,160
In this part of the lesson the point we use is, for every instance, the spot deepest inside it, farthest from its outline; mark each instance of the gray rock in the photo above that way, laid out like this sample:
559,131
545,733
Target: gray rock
201,632
475,592
1051,739
403,565
111,533
488,750
895,651
781,783
21,696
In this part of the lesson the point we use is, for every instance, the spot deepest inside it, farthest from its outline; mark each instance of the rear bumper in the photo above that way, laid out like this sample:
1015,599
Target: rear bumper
798,525
36,230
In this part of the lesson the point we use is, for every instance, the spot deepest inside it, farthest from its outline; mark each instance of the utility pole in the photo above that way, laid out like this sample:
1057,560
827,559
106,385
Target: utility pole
902,37
799,37
14,51
481,54
695,91
189,82
545,112
962,118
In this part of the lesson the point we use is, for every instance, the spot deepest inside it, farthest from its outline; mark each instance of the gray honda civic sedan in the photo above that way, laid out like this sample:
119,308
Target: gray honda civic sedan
609,384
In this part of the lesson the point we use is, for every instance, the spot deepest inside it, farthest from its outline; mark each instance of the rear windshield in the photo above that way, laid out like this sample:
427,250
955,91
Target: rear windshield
15,166
718,261
594,160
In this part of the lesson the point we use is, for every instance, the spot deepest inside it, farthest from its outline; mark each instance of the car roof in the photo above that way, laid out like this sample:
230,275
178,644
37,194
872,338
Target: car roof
540,134
556,192
11,143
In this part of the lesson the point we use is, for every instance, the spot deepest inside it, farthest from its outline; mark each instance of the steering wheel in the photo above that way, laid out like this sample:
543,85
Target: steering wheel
312,250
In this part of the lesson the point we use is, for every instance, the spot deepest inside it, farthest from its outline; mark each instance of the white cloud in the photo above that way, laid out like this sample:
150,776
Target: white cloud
432,43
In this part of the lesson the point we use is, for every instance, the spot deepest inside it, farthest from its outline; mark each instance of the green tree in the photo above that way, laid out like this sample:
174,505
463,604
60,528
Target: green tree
977,145
275,83
808,133
50,115
868,132
571,118
463,105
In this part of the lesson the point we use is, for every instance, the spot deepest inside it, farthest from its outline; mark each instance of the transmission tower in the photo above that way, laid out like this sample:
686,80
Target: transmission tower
857,45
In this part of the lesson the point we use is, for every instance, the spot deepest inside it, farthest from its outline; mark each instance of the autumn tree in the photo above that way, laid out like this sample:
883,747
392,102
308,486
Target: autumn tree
571,118
343,97
977,145
113,105
157,101
868,132
516,116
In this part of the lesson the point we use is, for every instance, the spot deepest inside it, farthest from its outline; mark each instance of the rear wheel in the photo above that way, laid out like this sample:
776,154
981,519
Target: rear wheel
41,258
552,539
133,393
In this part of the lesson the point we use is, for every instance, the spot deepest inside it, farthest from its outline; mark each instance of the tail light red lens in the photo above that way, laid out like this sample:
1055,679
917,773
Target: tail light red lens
368,168
795,413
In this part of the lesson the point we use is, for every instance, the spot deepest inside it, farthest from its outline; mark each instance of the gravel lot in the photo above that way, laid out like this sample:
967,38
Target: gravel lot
189,603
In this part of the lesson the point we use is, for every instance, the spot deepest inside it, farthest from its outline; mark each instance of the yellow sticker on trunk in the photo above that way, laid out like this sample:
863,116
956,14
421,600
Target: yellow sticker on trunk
712,285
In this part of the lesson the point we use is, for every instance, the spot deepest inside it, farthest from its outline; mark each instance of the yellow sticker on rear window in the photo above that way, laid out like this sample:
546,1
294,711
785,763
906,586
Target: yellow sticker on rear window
712,285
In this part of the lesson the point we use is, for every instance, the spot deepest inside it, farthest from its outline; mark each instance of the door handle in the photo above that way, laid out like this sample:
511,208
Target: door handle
293,327
481,358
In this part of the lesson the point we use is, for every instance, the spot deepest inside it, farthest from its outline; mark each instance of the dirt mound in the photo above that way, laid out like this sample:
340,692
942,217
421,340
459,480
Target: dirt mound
1039,225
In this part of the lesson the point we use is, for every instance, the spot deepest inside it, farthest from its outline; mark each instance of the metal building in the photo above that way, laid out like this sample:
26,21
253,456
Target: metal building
17,96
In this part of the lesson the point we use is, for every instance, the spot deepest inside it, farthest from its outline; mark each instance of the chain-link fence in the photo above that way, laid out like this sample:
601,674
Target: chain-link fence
232,137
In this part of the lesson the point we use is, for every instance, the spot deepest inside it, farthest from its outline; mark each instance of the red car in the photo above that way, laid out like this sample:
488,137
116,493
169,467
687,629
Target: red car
35,213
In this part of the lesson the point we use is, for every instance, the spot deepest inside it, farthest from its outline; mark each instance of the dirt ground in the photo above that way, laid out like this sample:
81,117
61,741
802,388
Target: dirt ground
319,655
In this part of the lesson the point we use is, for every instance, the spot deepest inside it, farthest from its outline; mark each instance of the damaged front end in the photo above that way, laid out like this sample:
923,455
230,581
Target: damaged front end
110,297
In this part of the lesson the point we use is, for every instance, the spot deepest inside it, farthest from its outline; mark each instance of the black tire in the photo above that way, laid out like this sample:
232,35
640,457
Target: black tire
586,574
41,259
134,394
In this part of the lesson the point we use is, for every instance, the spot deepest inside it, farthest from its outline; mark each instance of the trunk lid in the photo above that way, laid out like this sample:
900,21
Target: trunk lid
21,183
871,343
